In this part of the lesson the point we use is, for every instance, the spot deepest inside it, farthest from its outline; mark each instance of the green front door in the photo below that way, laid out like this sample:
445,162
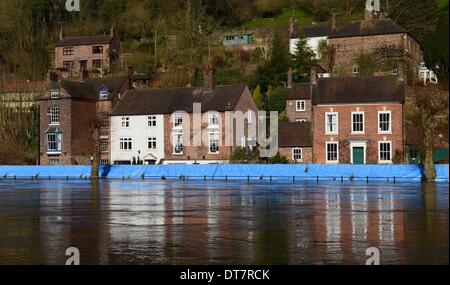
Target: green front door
358,155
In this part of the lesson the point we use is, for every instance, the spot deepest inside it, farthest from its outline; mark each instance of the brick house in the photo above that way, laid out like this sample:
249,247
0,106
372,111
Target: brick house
66,112
92,53
299,103
295,142
368,36
153,126
358,120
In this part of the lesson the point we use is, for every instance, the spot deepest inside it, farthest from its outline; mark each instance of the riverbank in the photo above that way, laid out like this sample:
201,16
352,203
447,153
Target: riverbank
387,173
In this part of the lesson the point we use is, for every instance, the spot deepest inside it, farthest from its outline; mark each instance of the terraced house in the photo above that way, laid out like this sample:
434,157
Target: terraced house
68,111
355,120
162,126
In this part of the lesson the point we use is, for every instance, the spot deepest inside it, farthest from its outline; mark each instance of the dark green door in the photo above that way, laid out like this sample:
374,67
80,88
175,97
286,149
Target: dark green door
358,155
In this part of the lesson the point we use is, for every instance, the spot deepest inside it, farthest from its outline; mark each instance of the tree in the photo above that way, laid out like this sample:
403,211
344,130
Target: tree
428,113
435,49
418,17
303,60
257,97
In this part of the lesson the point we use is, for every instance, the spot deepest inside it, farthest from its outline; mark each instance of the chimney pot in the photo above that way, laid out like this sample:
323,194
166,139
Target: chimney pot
333,22
291,27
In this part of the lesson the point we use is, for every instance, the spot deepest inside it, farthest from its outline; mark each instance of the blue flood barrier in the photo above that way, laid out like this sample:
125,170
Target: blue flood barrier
261,172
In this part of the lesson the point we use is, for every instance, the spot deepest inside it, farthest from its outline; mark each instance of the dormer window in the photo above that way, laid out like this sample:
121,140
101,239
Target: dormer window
103,93
54,95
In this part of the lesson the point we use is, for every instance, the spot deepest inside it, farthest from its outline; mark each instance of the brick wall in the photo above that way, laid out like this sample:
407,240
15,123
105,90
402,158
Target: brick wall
82,53
371,134
307,153
293,115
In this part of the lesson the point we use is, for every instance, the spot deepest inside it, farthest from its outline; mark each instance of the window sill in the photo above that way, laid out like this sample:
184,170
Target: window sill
384,133
331,134
332,162
54,124
385,162
300,111
357,133
54,152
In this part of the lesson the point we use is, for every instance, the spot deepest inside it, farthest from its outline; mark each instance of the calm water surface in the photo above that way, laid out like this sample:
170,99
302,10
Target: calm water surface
144,222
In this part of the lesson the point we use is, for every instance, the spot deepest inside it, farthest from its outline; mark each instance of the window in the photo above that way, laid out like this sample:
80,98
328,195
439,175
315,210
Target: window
355,69
214,143
178,144
301,120
358,122
384,122
68,65
125,122
152,121
68,51
151,143
54,144
97,49
104,162
104,145
385,152
104,120
331,123
54,115
177,121
297,154
213,120
126,144
332,152
97,63
54,94
53,162
300,106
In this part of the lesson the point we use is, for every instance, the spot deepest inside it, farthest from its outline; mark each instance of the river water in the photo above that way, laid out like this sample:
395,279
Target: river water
197,222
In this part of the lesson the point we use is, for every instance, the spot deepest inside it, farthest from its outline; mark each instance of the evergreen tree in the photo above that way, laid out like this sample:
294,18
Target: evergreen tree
435,49
303,60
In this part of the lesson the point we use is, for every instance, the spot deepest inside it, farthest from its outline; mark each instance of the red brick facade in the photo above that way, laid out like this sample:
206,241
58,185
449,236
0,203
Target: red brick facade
371,136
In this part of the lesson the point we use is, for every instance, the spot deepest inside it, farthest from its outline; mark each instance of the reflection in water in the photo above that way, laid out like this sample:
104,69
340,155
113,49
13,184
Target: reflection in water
143,222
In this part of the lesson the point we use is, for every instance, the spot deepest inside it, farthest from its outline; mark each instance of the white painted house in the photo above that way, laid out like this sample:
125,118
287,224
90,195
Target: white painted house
137,138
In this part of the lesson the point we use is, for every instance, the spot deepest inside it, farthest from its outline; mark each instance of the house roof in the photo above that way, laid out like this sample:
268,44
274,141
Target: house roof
296,134
315,31
81,41
90,88
358,90
167,101
302,91
368,28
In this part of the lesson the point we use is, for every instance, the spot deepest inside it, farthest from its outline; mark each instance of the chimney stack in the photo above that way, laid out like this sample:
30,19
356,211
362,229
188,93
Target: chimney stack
61,33
289,81
333,22
208,78
291,27
112,30
314,75
400,72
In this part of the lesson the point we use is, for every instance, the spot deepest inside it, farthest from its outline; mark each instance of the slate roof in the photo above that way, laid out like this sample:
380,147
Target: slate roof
296,134
358,90
81,41
167,101
368,28
302,91
315,31
90,88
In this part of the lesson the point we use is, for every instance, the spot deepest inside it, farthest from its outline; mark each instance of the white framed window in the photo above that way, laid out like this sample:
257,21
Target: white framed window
331,123
213,143
250,116
54,142
297,154
301,120
300,106
54,115
152,121
125,122
104,145
151,143
126,144
358,126
103,94
213,120
54,95
177,121
332,152
355,69
385,152
385,122
178,144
